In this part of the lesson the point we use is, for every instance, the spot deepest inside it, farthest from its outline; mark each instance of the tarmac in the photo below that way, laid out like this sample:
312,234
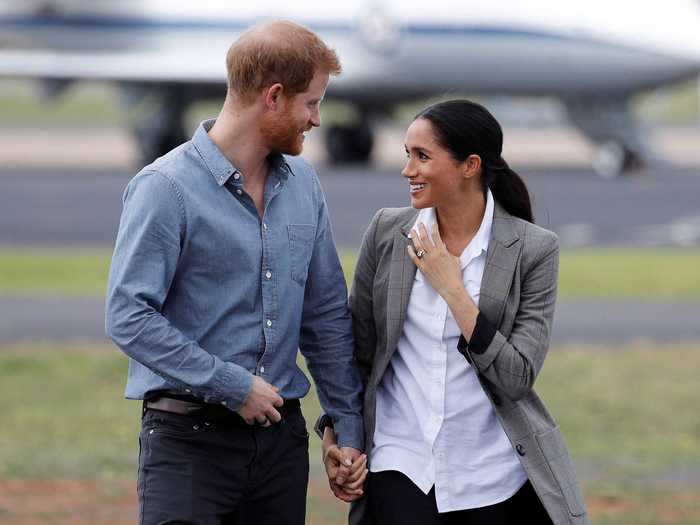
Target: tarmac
62,188
609,324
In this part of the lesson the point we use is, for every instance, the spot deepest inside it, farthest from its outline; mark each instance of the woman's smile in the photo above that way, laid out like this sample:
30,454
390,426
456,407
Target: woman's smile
415,187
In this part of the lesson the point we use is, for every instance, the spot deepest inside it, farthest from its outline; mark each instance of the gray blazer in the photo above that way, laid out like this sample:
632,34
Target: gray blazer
518,293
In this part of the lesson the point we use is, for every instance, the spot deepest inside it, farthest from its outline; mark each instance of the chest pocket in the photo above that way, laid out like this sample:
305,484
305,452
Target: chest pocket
301,245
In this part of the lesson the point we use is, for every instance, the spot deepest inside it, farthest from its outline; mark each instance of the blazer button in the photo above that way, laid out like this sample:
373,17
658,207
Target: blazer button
520,449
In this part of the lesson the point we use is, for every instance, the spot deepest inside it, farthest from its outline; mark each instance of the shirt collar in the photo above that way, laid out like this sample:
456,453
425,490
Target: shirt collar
220,167
479,243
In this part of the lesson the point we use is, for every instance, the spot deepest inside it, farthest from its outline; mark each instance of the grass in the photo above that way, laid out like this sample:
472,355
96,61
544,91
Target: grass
86,104
629,417
620,273
639,273
61,272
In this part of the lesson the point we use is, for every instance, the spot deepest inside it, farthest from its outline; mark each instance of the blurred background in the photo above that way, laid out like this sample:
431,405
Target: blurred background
600,105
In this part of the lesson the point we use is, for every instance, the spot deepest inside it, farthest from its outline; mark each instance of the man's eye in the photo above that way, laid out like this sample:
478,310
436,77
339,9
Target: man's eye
423,156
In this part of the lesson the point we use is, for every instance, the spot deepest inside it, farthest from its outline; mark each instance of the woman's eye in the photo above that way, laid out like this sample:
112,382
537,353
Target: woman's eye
423,156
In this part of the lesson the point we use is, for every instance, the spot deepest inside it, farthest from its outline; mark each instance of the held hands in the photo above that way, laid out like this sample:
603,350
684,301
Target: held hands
440,267
346,468
259,406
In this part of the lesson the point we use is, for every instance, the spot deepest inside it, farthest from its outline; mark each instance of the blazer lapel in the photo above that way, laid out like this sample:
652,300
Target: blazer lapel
501,260
402,272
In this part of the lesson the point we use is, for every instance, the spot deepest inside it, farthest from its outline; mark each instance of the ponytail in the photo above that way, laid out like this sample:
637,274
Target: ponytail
507,188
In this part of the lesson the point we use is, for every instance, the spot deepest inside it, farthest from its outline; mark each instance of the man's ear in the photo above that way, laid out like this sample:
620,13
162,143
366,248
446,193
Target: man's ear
273,96
471,166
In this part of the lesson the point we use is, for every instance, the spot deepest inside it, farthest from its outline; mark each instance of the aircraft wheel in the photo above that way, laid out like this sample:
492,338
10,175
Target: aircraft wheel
154,144
349,144
614,159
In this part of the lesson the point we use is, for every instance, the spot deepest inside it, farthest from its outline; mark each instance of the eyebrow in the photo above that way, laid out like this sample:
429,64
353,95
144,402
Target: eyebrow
417,148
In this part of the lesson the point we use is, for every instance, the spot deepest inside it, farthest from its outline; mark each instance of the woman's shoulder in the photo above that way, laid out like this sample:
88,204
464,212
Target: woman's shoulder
538,242
535,234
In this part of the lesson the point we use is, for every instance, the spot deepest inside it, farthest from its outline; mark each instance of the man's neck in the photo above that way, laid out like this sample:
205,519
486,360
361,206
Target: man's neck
236,136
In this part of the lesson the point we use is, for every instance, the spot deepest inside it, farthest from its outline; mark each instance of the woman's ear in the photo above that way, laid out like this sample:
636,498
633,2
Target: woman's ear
472,166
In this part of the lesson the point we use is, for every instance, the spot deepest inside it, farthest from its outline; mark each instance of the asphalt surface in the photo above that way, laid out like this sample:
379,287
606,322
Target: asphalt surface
69,206
81,206
591,322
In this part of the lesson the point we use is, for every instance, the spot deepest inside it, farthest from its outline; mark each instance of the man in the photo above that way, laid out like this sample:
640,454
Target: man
224,265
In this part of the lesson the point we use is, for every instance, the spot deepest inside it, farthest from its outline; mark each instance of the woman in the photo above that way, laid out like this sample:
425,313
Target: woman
452,306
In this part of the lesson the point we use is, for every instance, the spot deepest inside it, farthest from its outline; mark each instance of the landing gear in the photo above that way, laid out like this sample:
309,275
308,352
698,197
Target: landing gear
154,143
609,123
162,128
614,159
349,144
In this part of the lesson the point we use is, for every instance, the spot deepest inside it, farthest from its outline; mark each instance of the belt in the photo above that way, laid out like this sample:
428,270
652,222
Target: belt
179,406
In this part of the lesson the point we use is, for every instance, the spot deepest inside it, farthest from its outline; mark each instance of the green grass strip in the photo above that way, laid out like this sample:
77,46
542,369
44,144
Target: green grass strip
617,273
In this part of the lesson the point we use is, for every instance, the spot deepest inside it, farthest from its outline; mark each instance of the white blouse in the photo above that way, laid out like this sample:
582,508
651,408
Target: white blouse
434,421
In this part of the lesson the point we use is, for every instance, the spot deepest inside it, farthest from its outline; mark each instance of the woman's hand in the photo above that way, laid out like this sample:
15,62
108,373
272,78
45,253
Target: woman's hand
443,272
440,267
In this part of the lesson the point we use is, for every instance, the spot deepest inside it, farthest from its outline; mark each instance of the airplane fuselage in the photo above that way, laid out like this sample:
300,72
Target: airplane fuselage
390,50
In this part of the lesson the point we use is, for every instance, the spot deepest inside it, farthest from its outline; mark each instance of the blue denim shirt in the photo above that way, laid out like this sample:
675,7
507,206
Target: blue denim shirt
203,293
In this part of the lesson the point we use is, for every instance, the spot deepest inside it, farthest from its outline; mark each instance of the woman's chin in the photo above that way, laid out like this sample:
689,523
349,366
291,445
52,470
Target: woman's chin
419,204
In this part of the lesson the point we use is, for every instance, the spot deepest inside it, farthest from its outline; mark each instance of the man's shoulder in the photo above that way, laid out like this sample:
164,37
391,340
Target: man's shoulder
177,165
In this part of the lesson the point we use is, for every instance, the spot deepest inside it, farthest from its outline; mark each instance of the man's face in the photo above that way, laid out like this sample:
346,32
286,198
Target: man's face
284,130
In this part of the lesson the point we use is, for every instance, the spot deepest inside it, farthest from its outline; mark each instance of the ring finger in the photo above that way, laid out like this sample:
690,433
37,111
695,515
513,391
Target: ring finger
418,245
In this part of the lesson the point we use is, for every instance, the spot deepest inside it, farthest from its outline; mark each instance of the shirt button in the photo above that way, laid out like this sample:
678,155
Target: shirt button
269,323
264,226
236,175
262,369
268,274
240,192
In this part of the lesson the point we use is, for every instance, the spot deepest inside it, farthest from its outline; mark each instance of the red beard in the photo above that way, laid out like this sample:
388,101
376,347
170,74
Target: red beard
282,134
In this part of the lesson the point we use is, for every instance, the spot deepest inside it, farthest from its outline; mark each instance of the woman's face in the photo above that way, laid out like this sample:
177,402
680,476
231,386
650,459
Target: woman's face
435,178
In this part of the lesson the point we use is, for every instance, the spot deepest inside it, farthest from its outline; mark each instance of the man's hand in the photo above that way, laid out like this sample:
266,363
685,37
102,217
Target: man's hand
346,468
259,406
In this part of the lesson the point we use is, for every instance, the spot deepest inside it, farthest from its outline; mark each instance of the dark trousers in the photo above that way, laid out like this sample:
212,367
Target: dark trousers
395,499
204,470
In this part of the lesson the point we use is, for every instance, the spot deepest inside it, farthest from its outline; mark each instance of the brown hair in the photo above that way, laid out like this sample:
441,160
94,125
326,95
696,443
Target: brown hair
277,52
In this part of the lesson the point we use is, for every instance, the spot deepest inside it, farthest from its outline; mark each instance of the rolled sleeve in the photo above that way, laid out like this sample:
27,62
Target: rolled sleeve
483,334
513,363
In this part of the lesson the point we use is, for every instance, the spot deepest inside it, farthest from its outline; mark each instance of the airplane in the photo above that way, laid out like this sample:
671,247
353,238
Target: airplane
594,56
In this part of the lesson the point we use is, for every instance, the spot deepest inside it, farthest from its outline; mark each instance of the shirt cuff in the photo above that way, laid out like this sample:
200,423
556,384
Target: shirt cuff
350,432
483,334
232,387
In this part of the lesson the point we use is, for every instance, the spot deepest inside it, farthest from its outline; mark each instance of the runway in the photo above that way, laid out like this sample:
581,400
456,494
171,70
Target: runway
68,193
81,206
609,323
